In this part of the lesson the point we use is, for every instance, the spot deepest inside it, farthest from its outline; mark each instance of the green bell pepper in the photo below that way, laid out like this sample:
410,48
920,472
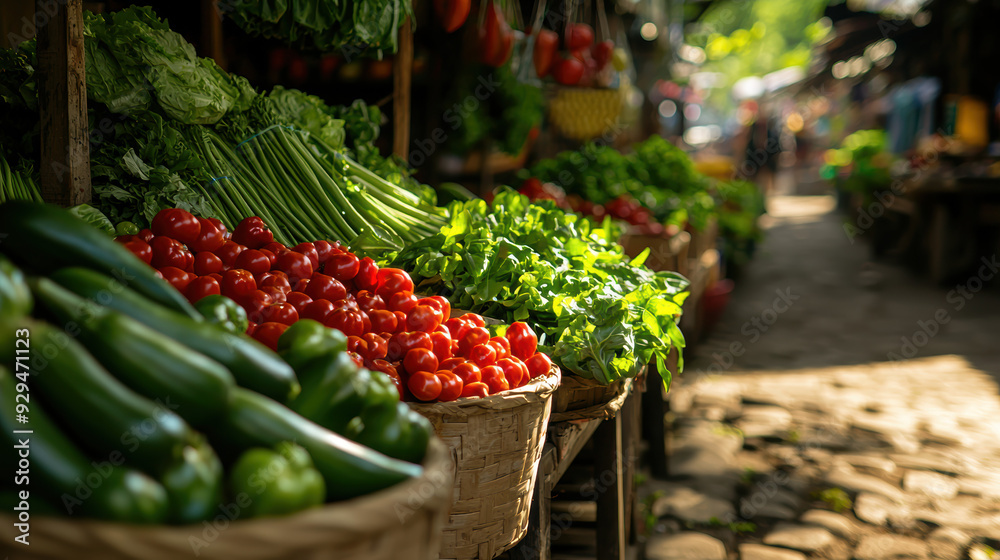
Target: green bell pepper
194,484
335,390
307,340
279,481
15,295
224,312
400,433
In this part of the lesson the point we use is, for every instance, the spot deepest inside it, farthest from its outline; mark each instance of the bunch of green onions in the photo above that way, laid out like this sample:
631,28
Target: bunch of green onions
15,185
305,190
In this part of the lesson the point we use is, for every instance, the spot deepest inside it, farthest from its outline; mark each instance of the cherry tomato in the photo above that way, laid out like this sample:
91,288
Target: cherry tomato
538,365
388,369
217,276
322,286
501,345
221,227
346,303
206,263
271,258
420,359
378,348
167,252
401,301
269,333
301,285
229,252
276,294
254,261
477,390
451,363
347,322
296,265
368,301
281,313
188,261
343,266
473,337
366,322
275,248
512,371
442,345
392,280
493,377
251,327
317,310
468,372
424,385
255,304
483,355
276,279
438,302
324,250
237,284
209,238
146,235
451,386
457,327
177,224
253,233
401,343
309,250
367,277
382,320
176,277
201,287
424,318
298,300
400,321
356,344
475,319
140,249
523,341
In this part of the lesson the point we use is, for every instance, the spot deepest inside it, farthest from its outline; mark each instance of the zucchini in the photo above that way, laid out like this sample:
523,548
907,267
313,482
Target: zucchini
252,364
147,362
43,238
60,472
350,469
102,414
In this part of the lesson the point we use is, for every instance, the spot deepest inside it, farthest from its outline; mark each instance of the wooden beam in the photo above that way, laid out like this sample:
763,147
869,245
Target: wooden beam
211,33
402,84
610,499
62,99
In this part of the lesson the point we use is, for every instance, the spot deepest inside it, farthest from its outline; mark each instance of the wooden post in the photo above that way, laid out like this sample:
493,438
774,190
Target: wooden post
62,99
211,33
610,498
402,82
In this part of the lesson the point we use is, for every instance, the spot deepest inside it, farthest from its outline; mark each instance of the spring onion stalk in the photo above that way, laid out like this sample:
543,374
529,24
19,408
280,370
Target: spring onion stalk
17,185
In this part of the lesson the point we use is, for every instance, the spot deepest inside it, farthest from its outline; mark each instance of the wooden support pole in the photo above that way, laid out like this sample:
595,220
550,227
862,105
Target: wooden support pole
211,33
62,99
402,82
611,501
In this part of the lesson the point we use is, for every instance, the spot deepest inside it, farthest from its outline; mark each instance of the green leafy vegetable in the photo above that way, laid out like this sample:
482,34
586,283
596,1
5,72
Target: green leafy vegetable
603,316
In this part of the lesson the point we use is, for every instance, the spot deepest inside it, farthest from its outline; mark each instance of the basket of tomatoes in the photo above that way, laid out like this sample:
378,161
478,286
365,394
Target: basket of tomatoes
496,427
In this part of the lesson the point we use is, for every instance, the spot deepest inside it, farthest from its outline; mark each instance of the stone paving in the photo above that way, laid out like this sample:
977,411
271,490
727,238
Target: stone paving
810,450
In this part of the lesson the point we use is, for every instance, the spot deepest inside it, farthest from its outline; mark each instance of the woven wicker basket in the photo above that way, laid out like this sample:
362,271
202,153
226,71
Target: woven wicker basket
402,522
585,399
666,253
498,441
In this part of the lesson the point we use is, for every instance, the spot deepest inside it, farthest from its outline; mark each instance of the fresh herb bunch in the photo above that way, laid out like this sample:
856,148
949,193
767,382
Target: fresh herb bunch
358,26
603,316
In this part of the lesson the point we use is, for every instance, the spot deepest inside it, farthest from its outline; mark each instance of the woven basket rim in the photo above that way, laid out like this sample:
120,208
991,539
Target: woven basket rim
606,410
538,389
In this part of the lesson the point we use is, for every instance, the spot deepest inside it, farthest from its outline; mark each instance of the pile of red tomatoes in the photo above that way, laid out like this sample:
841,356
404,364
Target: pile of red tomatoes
430,355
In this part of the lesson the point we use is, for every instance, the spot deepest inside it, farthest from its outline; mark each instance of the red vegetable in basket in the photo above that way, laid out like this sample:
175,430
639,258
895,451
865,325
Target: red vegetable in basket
602,53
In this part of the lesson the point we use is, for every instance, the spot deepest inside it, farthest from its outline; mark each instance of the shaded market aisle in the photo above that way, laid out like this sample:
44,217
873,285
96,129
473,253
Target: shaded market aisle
841,409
